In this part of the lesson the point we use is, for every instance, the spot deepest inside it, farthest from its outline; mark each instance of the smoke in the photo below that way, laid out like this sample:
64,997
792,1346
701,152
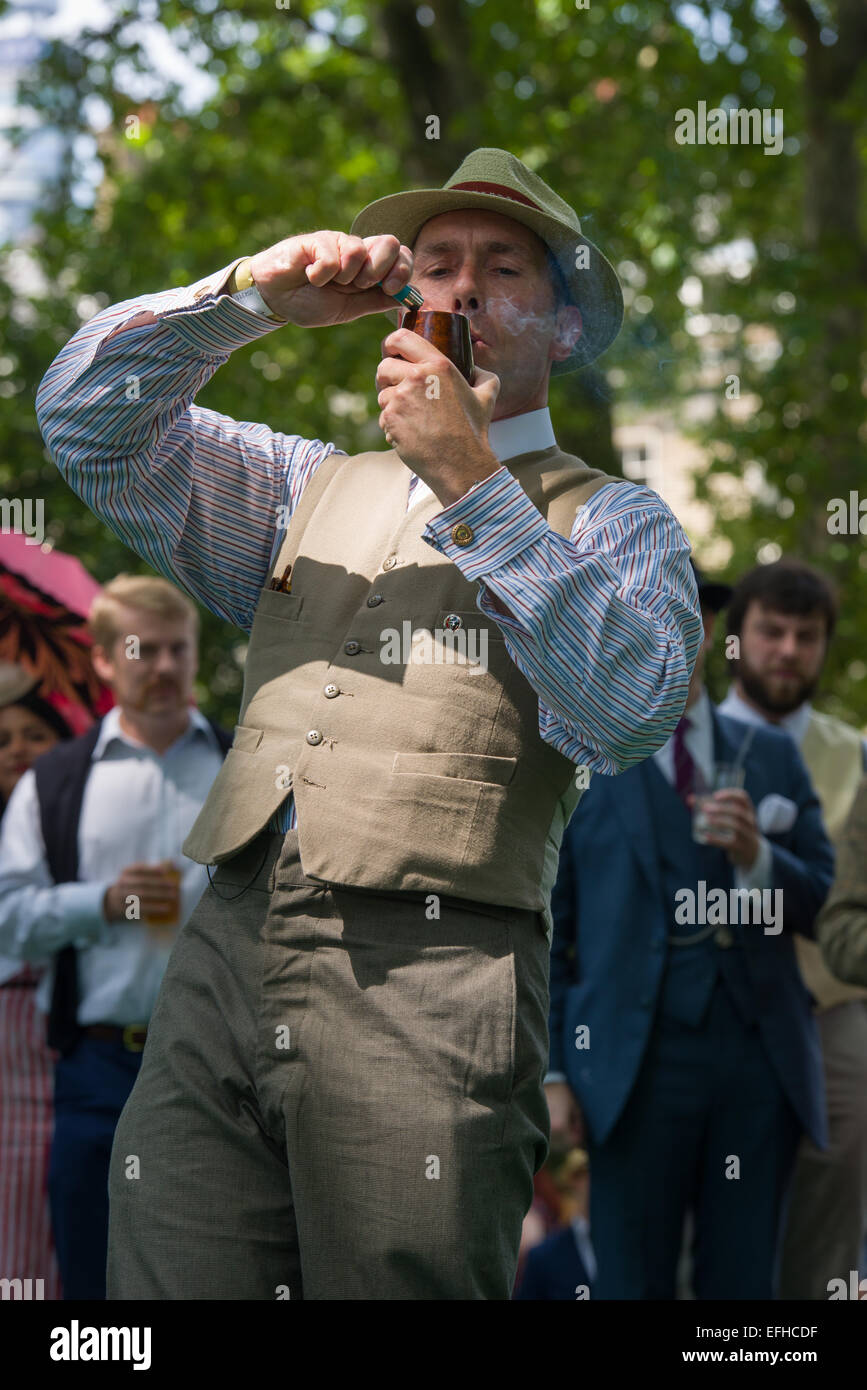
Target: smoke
516,321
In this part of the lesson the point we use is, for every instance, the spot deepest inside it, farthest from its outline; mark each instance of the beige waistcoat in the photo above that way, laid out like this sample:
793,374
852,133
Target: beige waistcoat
427,774
833,754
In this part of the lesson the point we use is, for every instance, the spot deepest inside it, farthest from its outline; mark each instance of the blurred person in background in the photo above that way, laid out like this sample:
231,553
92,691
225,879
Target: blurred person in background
784,616
688,1039
842,926
29,726
543,1215
92,875
563,1266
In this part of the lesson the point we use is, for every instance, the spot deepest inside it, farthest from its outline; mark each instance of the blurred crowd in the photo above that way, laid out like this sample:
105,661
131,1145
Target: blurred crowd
708,1020
707,1086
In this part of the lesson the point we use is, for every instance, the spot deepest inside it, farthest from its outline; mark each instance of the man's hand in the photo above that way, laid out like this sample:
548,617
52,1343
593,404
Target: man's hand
436,421
156,893
732,825
322,278
567,1122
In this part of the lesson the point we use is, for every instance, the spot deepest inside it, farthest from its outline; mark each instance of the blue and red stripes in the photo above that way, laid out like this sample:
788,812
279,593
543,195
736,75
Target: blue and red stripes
604,625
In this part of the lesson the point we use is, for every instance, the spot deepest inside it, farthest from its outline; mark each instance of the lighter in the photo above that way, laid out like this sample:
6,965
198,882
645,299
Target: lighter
408,296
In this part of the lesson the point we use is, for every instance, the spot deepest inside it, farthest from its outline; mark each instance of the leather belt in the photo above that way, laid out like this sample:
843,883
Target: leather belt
132,1036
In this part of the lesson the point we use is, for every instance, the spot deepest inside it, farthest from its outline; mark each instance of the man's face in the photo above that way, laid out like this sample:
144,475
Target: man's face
154,674
495,271
781,657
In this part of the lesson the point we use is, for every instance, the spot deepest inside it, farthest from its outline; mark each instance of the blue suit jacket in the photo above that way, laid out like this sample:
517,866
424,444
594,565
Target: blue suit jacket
554,1269
610,933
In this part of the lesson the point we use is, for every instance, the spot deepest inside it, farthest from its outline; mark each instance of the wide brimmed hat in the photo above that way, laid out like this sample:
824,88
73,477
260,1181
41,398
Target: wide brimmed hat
495,181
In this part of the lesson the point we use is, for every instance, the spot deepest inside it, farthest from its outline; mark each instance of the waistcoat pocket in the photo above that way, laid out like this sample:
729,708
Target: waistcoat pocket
468,767
246,739
274,604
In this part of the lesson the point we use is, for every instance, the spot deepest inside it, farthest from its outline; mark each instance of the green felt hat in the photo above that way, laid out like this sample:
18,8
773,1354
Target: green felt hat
495,181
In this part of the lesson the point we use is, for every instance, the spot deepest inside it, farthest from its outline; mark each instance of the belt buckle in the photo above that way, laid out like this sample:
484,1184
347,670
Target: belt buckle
129,1041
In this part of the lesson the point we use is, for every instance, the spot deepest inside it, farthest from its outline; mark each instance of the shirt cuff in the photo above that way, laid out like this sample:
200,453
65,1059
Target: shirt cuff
760,874
552,1076
489,526
206,317
82,913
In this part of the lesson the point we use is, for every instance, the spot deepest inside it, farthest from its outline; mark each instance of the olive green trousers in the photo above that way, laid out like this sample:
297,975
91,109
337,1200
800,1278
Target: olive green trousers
340,1096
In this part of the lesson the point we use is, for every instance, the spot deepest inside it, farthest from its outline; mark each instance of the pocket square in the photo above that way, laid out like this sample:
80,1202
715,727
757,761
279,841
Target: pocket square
776,814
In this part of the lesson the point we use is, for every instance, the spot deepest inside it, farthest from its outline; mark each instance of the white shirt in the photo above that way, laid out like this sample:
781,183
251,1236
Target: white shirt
795,723
699,743
520,434
581,1232
138,806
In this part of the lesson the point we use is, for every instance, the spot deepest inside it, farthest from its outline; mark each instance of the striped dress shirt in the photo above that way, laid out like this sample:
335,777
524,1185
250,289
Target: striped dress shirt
604,625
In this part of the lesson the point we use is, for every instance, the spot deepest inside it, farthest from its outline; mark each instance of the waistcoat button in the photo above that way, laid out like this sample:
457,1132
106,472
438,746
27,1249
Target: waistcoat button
390,563
330,691
462,534
374,600
351,648
314,736
723,937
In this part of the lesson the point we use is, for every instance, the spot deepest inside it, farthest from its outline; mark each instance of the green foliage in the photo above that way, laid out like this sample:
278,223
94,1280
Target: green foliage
317,111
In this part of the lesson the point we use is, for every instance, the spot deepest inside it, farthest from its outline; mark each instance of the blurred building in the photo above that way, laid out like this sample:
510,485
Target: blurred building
657,450
25,170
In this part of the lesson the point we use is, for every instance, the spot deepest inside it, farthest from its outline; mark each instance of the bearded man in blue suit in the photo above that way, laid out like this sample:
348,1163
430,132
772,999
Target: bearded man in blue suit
687,1036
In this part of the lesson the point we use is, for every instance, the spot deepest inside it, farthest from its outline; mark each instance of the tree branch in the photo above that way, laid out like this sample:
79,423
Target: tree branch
332,38
804,18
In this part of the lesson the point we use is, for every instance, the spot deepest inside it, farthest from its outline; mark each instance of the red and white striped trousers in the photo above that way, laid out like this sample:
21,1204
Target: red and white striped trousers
26,1122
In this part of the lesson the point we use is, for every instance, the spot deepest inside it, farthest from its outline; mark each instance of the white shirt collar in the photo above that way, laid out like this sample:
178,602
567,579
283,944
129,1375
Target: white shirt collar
699,714
111,729
521,434
794,723
700,725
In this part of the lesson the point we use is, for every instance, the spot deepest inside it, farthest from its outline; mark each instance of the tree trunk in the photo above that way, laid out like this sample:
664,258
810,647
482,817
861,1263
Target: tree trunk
832,232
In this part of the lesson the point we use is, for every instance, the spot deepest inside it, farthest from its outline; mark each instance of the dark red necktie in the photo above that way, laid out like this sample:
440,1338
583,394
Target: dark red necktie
684,767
